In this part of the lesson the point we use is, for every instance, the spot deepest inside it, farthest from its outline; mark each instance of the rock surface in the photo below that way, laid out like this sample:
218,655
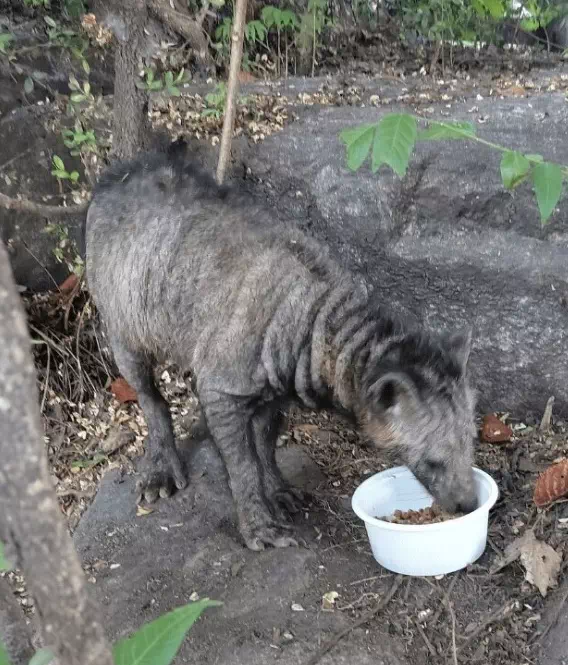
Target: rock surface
446,243
145,566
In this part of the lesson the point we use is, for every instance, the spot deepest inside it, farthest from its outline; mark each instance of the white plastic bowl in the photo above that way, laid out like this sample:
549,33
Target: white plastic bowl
425,549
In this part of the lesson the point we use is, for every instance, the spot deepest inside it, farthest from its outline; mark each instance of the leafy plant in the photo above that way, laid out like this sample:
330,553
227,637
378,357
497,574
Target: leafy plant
5,39
223,30
216,101
66,250
391,141
79,140
156,643
312,23
169,82
255,31
159,641
60,172
80,93
284,21
37,3
68,39
74,8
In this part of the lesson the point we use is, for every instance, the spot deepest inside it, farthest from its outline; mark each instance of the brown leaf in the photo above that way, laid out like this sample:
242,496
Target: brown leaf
123,391
540,561
494,430
552,484
141,511
69,284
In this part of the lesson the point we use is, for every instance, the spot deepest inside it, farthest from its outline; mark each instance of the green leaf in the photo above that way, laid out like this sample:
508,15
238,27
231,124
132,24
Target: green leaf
50,22
58,163
86,66
174,92
495,8
158,642
358,141
535,158
4,563
514,168
42,657
58,173
5,39
29,85
74,84
4,660
77,97
394,142
547,182
74,176
438,131
169,79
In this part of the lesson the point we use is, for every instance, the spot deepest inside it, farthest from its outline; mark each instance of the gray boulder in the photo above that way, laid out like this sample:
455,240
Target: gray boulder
447,243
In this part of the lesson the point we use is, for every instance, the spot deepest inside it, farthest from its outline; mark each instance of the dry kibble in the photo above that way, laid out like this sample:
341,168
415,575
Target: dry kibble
433,514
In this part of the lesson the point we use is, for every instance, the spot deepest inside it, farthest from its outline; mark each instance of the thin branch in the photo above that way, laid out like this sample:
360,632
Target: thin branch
23,205
360,622
237,39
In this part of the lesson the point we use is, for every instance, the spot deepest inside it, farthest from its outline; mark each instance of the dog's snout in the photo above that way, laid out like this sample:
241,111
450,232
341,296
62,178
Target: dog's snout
468,505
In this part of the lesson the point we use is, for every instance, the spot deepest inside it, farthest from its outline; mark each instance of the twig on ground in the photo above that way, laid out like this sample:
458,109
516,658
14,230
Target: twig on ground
547,416
442,605
427,642
499,614
360,622
23,205
453,616
557,612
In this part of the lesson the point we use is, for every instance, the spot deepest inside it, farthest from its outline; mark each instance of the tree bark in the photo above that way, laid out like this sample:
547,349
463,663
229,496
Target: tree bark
232,87
31,523
131,127
185,26
14,632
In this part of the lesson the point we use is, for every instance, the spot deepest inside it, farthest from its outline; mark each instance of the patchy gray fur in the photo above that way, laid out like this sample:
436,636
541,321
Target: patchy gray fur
183,269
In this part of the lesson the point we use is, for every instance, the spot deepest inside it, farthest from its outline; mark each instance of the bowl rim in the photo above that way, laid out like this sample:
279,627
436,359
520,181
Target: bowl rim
437,526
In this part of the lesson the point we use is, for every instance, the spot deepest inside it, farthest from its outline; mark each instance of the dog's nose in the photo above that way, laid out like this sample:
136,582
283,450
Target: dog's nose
468,506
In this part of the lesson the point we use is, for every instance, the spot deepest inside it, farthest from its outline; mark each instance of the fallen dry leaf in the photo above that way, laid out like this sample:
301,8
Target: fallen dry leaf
540,561
552,484
141,511
123,391
494,430
328,600
69,283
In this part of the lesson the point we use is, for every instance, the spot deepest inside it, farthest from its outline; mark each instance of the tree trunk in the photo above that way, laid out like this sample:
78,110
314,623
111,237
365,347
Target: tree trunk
185,26
237,38
31,524
14,632
131,127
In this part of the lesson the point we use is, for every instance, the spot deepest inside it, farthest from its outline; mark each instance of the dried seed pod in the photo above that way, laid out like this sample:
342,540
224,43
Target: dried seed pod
552,484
